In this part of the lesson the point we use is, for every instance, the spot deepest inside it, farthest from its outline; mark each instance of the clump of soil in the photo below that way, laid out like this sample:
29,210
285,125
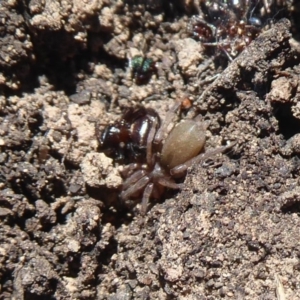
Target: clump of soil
231,233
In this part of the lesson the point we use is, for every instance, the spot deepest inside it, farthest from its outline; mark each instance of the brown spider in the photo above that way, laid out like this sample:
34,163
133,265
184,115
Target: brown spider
166,158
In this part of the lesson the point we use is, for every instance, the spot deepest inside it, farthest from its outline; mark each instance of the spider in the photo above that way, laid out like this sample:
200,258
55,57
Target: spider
166,159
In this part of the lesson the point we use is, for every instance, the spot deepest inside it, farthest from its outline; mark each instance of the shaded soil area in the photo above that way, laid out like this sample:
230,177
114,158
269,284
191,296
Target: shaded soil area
232,232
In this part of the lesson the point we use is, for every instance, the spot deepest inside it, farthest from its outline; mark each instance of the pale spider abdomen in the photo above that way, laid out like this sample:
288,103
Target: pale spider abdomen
184,142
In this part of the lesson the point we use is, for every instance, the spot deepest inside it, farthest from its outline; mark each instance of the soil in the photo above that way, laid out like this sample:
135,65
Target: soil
231,233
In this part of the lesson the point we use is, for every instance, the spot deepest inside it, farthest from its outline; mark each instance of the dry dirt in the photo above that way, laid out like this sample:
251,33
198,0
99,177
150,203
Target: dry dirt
233,232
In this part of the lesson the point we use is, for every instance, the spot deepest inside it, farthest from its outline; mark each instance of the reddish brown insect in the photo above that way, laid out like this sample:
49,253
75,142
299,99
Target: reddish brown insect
230,25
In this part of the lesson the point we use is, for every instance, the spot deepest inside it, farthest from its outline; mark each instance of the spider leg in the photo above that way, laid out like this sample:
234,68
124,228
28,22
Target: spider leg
133,179
140,184
150,138
169,183
129,170
146,196
178,170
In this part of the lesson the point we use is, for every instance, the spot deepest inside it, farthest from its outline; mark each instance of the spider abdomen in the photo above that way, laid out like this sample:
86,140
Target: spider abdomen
184,142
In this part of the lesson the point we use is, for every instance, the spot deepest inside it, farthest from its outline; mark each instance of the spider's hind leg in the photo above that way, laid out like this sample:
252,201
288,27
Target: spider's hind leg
179,170
146,196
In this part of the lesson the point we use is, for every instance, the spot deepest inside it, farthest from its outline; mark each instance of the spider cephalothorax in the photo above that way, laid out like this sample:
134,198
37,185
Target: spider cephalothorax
126,139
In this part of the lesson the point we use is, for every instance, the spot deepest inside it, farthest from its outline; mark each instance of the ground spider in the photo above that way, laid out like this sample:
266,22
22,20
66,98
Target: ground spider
166,158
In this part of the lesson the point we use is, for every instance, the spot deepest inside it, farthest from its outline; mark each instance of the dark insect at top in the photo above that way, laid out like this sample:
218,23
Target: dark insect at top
126,139
230,25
